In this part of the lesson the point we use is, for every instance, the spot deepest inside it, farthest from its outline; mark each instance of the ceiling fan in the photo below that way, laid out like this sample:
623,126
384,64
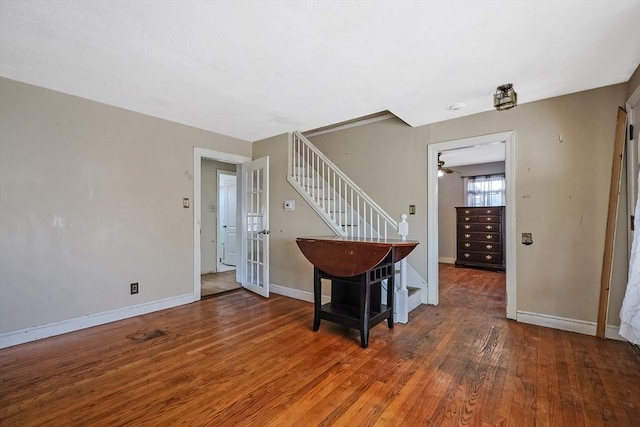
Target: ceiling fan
441,167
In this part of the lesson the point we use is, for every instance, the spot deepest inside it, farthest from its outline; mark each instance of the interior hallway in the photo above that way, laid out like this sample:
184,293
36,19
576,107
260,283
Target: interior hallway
240,359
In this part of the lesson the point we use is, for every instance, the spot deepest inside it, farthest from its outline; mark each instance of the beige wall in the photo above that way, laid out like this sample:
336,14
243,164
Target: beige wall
90,201
451,195
561,191
209,220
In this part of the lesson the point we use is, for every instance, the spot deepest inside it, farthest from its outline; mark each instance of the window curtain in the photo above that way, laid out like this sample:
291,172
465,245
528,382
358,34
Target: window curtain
630,312
485,190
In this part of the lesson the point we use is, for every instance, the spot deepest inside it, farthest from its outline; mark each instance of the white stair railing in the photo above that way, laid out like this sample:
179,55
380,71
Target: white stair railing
344,206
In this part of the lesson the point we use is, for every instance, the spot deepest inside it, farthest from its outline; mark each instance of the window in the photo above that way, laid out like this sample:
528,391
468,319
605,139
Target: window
485,190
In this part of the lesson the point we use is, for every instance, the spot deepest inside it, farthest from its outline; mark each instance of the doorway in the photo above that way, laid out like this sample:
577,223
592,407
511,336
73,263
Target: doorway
252,217
205,211
469,180
508,138
218,190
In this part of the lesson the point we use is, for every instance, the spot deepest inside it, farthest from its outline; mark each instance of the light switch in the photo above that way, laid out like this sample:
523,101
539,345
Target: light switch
211,208
185,203
527,239
289,205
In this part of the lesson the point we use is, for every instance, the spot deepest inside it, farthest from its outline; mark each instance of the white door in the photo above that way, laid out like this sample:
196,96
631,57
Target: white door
229,222
255,230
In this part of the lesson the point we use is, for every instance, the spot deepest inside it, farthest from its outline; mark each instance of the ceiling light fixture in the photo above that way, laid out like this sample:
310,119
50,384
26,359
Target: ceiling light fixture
505,97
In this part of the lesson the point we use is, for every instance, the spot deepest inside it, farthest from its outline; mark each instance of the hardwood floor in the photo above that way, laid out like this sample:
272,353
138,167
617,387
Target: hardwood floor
217,283
239,359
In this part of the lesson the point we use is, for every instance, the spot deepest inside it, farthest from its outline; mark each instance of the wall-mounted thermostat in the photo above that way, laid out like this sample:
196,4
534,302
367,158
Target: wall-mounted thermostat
289,205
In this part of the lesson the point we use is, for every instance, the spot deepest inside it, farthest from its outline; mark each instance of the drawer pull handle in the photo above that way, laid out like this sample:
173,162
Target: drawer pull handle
467,255
489,236
466,245
488,256
466,218
467,212
488,246
489,211
467,226
488,219
489,227
467,235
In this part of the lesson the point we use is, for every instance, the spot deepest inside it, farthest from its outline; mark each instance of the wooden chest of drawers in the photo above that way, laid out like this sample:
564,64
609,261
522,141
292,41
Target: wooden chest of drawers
480,237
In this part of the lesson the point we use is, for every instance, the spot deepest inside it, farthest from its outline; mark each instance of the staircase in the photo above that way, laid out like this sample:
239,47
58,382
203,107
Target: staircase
350,212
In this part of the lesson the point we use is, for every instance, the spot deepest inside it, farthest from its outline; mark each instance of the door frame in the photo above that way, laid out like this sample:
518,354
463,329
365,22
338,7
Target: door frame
632,158
198,155
509,138
219,265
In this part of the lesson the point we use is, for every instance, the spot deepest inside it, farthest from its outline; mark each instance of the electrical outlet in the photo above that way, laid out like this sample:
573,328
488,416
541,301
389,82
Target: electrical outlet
134,288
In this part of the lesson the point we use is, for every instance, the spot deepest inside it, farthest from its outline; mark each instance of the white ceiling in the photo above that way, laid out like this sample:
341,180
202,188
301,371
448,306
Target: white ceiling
487,153
253,69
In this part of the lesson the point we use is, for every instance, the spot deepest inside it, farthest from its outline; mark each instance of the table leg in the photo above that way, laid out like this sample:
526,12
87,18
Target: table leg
317,298
365,296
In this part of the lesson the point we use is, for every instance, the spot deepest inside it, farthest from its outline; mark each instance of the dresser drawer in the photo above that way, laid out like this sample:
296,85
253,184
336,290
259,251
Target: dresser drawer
467,219
489,218
490,227
479,237
480,246
484,257
490,211
467,211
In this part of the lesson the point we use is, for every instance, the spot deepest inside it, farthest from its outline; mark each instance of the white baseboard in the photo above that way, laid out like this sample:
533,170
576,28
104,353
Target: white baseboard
8,339
296,293
447,260
566,324
556,322
612,333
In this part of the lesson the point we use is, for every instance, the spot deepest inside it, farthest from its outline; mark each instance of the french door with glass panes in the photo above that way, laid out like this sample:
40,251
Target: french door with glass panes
255,239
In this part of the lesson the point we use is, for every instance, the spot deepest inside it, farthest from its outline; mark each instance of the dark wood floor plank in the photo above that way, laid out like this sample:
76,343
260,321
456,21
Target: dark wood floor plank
239,359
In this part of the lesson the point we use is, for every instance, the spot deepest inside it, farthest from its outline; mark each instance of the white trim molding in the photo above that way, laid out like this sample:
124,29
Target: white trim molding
613,333
296,293
566,324
8,339
350,124
557,322
446,260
